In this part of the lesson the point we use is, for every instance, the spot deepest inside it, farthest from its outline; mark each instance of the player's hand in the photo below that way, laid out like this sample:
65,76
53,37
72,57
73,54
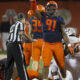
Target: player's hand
71,49
7,42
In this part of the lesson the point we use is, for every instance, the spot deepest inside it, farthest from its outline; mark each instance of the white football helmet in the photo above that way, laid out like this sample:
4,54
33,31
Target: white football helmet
71,31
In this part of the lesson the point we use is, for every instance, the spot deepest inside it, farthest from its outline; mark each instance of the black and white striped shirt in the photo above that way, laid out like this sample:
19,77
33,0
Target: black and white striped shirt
14,35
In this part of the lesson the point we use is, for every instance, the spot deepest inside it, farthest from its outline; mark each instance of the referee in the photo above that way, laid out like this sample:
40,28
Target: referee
14,50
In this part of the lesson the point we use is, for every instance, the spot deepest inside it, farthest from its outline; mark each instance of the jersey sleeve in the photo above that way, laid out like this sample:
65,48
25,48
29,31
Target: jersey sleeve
26,27
33,5
61,20
22,27
42,13
43,16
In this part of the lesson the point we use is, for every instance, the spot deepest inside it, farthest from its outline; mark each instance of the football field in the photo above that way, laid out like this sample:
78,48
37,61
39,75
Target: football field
3,55
72,64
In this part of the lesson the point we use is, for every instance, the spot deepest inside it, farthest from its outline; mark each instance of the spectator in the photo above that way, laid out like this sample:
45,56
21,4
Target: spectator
15,19
5,25
4,29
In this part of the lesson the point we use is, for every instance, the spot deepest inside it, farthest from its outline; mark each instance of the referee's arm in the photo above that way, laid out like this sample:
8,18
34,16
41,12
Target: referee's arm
26,36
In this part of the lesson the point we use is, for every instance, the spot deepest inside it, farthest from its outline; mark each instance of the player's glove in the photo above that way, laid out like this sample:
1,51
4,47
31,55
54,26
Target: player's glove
71,49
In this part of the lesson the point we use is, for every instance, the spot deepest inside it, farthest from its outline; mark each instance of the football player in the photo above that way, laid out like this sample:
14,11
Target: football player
38,35
27,45
53,31
36,30
75,41
54,72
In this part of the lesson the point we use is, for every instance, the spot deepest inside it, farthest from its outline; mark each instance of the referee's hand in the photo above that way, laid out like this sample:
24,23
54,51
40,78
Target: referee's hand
7,43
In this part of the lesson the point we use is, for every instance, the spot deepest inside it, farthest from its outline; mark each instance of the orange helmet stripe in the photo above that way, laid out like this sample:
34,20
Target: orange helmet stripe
52,2
41,8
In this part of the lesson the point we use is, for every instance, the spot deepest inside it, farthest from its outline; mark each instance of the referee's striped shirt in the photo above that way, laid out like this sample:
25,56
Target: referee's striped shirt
14,34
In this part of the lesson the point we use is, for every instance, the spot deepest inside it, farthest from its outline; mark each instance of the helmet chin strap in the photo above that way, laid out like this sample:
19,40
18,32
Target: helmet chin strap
52,14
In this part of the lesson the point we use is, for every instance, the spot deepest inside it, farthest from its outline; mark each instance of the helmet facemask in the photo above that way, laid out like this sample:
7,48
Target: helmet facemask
51,9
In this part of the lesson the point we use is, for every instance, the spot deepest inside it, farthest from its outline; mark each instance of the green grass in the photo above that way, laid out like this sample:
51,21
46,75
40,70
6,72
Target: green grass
30,67
2,52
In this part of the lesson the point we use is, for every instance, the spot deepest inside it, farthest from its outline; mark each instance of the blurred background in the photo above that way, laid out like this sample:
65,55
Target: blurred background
68,9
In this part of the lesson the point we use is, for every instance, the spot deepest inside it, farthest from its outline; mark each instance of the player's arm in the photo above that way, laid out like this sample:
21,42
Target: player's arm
26,36
23,33
33,5
30,30
37,14
66,39
64,35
